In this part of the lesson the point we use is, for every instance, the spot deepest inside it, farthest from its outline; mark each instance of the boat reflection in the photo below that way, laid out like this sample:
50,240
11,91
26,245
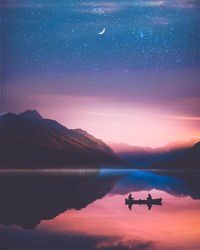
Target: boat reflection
149,202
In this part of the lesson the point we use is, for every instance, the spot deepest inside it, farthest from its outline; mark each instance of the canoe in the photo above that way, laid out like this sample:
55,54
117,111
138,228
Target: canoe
152,201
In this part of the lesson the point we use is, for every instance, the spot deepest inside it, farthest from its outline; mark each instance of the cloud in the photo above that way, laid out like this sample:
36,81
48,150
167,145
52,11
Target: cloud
149,3
166,3
20,4
101,7
97,7
86,7
123,244
112,7
160,20
187,118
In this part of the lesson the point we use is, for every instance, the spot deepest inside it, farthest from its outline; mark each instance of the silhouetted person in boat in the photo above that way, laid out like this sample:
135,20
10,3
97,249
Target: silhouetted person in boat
149,201
149,198
130,198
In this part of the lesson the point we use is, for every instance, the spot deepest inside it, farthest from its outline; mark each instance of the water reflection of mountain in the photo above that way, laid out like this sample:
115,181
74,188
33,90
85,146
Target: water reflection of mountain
26,199
190,178
177,183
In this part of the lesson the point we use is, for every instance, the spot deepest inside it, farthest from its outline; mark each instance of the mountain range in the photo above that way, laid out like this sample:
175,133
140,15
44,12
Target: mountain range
189,160
146,156
28,138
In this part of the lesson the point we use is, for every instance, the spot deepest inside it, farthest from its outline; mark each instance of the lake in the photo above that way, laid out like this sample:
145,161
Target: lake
85,209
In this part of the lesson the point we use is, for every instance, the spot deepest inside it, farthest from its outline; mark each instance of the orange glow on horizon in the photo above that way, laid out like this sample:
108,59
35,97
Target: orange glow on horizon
136,126
123,122
133,123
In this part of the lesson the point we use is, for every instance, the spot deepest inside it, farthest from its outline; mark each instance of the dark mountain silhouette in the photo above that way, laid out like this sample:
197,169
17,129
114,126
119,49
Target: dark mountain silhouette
146,156
191,160
91,140
27,138
31,114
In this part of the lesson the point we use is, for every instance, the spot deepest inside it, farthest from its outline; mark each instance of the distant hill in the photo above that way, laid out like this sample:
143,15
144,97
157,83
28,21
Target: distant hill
139,156
145,156
28,138
189,160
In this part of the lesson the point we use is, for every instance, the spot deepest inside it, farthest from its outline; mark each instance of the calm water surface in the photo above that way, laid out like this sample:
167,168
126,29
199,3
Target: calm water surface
85,209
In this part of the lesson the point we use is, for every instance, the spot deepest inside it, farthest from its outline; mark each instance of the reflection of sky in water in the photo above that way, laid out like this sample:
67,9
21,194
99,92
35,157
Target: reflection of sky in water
107,223
174,224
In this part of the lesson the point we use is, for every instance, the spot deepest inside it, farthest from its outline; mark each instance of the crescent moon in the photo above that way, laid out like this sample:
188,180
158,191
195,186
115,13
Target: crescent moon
102,32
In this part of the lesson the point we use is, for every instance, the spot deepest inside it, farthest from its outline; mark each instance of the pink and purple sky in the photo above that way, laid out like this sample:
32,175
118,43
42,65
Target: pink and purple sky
137,83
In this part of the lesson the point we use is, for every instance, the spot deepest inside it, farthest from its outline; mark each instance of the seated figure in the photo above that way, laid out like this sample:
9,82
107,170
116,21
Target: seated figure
149,198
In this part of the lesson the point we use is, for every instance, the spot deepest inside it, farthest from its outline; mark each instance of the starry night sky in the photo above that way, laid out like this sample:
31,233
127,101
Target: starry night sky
145,65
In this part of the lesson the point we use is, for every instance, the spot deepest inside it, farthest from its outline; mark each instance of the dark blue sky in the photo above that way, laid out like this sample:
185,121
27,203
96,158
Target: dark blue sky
147,57
63,35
